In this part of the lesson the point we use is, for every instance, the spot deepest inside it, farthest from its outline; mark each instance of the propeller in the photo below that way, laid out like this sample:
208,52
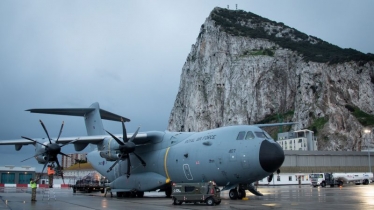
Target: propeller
52,149
126,147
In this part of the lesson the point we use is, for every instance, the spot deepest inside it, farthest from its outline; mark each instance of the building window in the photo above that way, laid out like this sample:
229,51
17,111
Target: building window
289,178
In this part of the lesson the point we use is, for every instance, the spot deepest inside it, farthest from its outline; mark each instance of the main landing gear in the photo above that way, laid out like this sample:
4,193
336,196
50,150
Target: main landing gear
237,194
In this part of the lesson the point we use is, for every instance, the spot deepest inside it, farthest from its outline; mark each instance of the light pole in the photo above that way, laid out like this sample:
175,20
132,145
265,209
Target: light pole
367,131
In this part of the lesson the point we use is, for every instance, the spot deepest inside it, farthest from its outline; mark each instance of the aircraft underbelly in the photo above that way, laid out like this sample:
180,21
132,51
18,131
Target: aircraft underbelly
139,182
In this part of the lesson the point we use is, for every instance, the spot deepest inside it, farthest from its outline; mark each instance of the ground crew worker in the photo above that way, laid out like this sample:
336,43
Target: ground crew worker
33,186
108,190
51,172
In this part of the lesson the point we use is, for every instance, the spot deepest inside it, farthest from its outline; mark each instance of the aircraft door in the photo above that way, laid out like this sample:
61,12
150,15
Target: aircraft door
187,171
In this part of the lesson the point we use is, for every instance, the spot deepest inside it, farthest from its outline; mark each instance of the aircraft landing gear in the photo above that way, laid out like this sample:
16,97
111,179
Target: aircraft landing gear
237,194
241,194
168,191
233,194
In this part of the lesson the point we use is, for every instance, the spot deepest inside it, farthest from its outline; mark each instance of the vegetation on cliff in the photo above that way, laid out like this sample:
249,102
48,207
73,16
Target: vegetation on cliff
241,23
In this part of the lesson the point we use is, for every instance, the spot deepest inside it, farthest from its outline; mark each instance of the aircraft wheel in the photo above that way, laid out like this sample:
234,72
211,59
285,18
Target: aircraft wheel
209,201
168,191
139,194
119,194
241,194
233,194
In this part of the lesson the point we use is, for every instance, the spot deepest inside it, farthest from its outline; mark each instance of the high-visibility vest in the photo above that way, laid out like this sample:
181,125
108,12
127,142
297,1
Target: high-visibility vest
50,171
33,184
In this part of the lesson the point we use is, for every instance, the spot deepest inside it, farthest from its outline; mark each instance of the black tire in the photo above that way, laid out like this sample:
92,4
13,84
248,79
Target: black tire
139,194
332,185
168,191
241,194
365,182
323,184
102,191
119,194
233,194
176,202
340,183
218,202
209,201
74,190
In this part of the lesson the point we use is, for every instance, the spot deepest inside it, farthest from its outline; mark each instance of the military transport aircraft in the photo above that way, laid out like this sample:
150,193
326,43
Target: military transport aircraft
234,156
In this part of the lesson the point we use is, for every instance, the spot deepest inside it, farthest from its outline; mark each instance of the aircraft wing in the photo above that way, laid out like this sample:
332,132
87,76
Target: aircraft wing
15,142
141,138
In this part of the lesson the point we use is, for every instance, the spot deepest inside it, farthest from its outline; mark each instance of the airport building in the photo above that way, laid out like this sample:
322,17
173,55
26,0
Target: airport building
299,164
16,175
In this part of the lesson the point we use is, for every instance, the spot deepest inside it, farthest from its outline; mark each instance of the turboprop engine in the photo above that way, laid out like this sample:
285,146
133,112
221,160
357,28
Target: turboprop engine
110,155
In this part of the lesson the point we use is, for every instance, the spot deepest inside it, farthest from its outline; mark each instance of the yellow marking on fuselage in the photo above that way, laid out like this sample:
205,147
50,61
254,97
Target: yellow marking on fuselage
165,167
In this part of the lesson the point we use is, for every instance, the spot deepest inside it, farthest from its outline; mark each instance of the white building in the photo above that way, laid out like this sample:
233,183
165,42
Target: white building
298,140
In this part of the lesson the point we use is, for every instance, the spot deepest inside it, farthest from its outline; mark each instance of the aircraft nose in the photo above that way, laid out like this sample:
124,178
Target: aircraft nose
271,156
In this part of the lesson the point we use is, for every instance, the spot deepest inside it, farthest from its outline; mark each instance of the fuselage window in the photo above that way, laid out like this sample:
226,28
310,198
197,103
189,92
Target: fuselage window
249,135
241,135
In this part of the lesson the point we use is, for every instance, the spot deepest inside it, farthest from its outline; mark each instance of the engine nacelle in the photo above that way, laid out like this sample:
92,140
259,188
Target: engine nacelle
110,155
41,159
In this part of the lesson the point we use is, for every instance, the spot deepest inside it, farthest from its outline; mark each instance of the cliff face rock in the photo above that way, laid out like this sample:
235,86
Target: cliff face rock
233,76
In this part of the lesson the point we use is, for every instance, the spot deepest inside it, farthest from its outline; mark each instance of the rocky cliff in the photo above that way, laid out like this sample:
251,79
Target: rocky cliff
245,69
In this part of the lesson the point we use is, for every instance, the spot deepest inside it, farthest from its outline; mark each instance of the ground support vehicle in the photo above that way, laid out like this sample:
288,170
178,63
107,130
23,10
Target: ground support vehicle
204,192
338,179
88,185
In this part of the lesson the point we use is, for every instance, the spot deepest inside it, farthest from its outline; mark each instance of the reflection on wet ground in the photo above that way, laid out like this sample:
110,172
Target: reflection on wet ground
278,197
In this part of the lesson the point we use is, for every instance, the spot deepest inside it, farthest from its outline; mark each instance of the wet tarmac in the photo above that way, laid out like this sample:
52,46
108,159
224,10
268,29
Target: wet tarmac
278,197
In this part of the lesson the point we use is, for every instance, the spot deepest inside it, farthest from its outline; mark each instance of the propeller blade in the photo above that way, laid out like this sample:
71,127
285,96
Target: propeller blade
128,166
62,125
141,160
33,140
59,168
125,139
29,158
113,165
45,129
45,164
134,135
32,156
115,138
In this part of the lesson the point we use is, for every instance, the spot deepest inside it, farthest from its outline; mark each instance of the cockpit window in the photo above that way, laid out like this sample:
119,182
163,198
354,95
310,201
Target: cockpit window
260,134
240,135
249,135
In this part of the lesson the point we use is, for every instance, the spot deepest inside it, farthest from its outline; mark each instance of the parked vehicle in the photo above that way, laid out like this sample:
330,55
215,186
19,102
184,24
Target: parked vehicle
88,184
204,192
332,179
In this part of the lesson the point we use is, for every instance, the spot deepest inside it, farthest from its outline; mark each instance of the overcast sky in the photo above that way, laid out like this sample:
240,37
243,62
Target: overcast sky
128,56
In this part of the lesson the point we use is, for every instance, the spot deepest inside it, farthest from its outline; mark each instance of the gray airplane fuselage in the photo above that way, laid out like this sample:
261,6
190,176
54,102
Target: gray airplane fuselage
213,155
